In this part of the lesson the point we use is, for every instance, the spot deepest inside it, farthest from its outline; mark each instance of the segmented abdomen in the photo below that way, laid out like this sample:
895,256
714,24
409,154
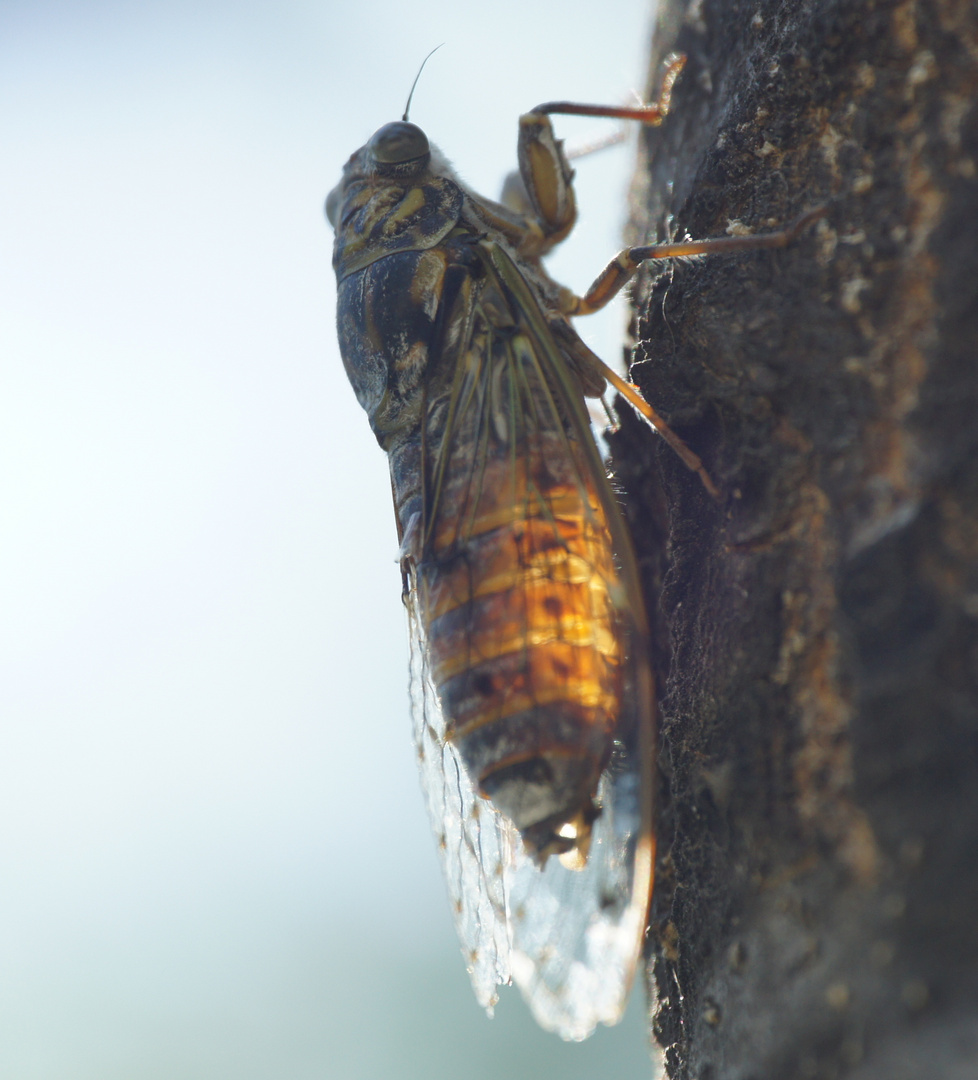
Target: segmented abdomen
516,589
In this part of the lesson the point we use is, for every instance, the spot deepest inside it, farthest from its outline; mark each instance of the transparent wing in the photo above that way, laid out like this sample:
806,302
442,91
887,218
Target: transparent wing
570,938
475,843
577,934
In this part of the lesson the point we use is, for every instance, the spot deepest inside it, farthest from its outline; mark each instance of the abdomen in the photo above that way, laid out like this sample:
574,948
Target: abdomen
515,586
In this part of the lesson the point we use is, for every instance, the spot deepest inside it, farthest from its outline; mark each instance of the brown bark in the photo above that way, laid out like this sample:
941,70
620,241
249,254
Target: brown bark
816,909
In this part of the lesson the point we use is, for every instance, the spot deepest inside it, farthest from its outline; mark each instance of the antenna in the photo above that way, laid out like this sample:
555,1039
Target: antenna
418,76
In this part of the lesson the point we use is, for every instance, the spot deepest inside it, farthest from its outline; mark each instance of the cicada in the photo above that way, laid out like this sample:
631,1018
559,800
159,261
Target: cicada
531,683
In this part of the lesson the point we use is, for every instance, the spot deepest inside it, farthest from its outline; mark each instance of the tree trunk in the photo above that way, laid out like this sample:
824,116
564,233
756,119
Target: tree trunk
816,906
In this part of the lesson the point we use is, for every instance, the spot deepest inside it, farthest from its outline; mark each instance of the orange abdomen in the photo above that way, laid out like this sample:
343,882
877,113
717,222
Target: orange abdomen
525,649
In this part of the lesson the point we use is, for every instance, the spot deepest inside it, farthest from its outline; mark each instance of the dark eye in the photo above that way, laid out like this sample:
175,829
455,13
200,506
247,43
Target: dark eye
333,204
397,143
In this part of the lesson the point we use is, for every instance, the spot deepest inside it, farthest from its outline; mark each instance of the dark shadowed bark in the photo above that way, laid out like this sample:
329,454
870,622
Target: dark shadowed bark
816,909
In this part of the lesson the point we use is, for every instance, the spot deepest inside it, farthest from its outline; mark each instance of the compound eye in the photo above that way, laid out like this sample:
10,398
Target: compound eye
397,143
333,204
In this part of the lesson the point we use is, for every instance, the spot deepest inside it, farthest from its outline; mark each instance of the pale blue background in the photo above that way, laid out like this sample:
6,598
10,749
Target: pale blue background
213,856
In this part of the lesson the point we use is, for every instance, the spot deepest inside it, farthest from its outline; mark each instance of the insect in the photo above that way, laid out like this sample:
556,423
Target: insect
530,678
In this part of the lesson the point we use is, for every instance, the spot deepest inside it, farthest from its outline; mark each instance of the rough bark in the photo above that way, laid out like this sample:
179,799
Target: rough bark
816,909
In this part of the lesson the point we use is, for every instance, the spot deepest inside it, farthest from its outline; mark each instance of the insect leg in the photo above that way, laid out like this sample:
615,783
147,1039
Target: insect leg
597,145
633,396
546,177
544,184
623,267
652,114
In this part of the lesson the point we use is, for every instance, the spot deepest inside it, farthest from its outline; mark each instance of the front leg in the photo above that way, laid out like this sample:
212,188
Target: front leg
542,191
547,178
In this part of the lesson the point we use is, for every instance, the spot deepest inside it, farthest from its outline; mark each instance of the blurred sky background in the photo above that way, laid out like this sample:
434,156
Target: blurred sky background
214,861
